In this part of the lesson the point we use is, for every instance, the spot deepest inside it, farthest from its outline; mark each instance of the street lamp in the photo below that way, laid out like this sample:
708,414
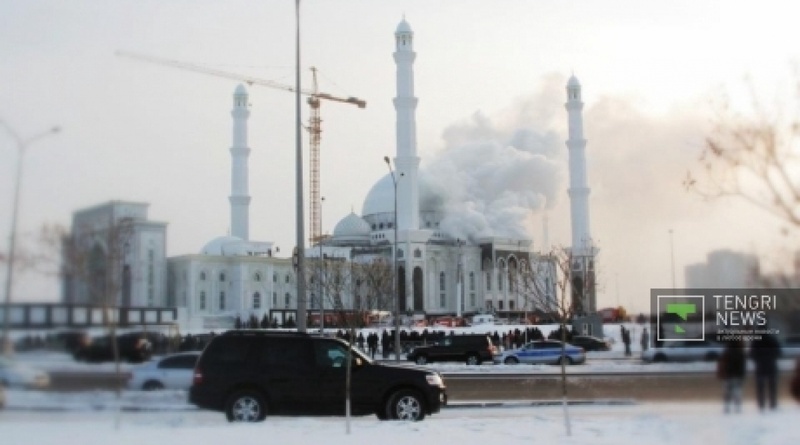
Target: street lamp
22,145
394,269
320,264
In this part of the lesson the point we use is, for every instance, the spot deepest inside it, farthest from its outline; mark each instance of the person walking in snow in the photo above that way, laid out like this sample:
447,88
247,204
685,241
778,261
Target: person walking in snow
731,369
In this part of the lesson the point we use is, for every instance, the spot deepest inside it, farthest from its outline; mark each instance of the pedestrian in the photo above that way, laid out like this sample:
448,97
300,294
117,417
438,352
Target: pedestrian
626,339
645,340
765,351
360,340
731,369
372,344
795,386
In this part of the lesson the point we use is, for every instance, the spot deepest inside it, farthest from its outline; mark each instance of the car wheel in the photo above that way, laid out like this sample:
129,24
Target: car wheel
152,385
246,406
473,359
511,361
422,360
405,405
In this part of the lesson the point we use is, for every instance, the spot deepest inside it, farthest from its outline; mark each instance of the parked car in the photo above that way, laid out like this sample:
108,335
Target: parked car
133,347
247,374
589,343
472,349
174,371
684,351
790,347
19,375
548,352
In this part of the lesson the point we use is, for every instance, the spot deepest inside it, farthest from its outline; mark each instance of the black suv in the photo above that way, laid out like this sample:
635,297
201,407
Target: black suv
473,349
248,373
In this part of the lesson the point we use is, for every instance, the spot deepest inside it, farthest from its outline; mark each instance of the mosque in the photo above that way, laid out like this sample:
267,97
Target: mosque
438,273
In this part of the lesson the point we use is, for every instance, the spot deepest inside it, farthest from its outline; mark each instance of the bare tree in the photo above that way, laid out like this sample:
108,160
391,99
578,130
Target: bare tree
754,157
548,285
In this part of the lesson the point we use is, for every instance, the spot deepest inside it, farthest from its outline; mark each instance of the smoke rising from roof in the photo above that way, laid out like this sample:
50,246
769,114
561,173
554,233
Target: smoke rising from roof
495,172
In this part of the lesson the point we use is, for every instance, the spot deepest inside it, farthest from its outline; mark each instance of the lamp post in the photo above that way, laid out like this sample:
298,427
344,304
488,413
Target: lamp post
394,269
321,288
22,145
672,256
299,218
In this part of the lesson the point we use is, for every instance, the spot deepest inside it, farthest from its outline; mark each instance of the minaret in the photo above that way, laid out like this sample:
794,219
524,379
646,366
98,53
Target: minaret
405,105
583,252
578,184
240,198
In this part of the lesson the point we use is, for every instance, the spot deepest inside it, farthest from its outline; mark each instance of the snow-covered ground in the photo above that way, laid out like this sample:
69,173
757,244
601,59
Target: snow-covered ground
99,417
651,424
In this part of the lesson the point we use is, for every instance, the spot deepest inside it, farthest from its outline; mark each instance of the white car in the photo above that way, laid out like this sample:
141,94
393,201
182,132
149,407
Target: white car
173,371
684,351
548,352
19,375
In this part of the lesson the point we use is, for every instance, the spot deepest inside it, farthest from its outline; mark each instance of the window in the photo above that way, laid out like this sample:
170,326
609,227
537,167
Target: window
442,300
274,299
222,276
472,300
441,281
417,253
488,281
472,281
287,278
256,301
287,300
202,276
222,301
202,303
500,305
274,278
511,305
257,277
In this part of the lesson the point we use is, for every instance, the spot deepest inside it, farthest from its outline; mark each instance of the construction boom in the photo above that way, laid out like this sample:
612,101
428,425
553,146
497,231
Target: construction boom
314,126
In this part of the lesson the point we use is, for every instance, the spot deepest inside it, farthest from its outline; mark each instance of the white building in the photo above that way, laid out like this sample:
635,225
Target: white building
115,252
437,273
724,269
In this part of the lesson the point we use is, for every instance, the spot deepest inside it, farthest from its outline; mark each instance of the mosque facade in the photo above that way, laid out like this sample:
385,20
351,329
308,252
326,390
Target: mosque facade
437,274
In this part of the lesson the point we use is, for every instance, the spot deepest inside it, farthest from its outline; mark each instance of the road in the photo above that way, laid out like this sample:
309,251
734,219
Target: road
649,386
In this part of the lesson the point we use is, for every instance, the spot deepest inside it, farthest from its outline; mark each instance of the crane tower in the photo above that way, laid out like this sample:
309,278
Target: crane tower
314,121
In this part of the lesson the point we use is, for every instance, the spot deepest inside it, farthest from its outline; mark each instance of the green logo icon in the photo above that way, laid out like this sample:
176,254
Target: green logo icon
682,310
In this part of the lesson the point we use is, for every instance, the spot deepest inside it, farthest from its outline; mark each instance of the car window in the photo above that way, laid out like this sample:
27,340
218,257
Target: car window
228,350
549,345
178,362
330,354
291,352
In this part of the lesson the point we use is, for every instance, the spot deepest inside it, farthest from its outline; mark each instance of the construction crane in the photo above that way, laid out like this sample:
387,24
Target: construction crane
314,121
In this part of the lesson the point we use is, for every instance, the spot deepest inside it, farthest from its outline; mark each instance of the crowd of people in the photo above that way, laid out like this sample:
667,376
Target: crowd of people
764,351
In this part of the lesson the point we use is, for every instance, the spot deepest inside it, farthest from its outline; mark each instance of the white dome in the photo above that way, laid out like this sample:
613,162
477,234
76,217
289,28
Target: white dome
380,198
351,226
404,27
573,82
225,246
240,90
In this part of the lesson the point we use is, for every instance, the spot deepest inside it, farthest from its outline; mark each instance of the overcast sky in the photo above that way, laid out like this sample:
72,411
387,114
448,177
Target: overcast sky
651,73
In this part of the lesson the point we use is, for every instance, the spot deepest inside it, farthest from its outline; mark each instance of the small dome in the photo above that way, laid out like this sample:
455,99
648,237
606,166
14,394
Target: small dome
240,90
573,82
404,28
225,246
351,226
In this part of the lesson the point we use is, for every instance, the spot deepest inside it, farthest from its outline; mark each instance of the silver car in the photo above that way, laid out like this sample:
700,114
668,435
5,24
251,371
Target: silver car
173,371
19,375
684,351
